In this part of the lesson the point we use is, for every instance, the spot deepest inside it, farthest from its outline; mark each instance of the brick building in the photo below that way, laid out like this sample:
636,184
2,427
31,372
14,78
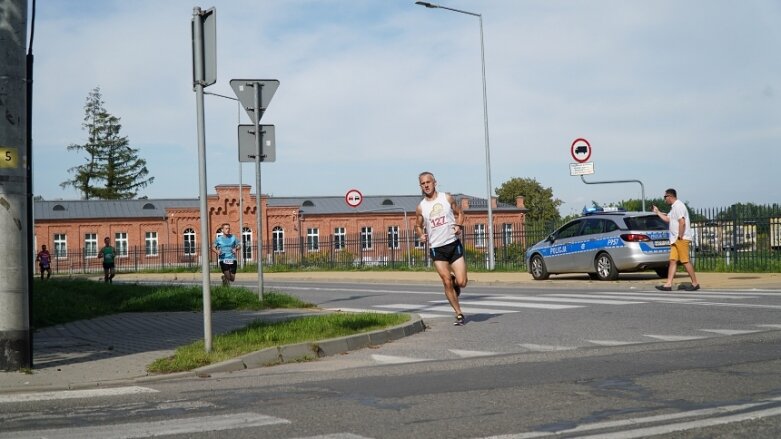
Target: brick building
149,233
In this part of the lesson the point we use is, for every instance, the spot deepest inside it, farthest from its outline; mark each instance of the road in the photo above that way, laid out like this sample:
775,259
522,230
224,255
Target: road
619,361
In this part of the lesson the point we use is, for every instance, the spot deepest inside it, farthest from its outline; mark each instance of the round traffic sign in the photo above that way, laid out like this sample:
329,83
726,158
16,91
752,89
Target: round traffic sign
580,150
353,198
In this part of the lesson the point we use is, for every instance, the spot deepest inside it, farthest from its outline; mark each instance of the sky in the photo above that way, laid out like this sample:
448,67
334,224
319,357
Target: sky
670,93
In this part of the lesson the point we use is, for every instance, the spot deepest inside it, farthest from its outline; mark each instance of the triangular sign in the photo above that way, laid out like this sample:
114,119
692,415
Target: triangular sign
245,91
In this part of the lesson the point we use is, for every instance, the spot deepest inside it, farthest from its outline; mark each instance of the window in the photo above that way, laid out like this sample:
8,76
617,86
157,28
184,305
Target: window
278,239
418,242
569,230
189,241
366,238
120,243
339,238
150,242
90,244
593,226
60,245
246,243
313,239
507,233
479,235
393,237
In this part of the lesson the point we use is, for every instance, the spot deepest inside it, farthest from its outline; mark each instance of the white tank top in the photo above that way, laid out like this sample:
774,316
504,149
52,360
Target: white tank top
439,220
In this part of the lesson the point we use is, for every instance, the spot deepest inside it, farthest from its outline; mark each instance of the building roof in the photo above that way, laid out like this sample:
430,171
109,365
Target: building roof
156,208
94,209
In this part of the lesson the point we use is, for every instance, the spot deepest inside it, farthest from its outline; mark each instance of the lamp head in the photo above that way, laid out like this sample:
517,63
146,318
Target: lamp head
427,4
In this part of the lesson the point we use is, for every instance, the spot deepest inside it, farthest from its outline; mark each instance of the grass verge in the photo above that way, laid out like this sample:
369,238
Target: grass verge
260,335
57,301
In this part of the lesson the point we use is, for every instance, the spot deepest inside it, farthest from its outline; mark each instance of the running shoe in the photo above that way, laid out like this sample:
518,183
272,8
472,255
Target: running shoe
460,320
456,286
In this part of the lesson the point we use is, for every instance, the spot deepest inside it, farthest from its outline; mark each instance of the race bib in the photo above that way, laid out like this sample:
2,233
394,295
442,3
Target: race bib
227,261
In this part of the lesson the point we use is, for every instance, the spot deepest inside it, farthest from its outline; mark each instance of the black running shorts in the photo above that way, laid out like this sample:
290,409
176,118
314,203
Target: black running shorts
448,252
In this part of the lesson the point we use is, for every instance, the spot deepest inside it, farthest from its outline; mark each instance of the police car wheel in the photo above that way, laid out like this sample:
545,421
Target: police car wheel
538,269
662,272
606,269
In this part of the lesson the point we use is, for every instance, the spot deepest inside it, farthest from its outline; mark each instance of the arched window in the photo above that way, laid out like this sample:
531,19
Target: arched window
149,206
387,202
308,203
58,207
189,241
278,239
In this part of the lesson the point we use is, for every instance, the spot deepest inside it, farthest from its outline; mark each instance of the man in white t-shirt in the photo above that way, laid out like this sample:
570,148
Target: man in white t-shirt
680,237
438,222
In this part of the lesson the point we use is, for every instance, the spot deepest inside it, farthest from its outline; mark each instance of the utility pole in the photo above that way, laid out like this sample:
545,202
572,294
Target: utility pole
15,347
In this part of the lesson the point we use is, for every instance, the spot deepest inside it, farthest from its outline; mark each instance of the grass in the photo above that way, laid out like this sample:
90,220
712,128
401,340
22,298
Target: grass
58,301
260,335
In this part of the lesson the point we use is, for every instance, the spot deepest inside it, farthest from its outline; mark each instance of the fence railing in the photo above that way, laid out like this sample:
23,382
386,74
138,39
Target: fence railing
725,240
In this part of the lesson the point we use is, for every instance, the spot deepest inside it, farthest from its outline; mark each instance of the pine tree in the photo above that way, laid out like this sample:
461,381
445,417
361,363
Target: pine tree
112,169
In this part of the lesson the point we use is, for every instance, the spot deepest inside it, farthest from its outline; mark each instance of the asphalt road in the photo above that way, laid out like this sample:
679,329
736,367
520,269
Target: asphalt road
619,361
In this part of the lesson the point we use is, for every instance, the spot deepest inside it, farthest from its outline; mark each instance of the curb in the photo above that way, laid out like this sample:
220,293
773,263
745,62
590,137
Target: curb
312,350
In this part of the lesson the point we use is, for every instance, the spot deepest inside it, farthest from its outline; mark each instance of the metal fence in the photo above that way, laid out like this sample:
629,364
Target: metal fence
725,240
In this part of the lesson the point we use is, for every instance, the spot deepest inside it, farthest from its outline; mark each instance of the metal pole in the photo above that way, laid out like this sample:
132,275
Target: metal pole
491,258
642,188
204,210
258,90
14,296
241,194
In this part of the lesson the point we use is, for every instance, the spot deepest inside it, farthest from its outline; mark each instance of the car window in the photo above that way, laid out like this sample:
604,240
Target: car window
610,226
569,230
593,226
647,222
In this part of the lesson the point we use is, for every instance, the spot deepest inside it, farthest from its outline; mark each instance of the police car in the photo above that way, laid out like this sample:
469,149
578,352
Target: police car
603,244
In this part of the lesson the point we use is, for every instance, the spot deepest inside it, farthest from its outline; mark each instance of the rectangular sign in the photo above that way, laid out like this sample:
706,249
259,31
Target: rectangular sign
581,168
9,157
268,145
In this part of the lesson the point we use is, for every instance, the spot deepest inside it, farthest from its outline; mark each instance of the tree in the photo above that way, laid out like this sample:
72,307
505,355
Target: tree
542,207
112,169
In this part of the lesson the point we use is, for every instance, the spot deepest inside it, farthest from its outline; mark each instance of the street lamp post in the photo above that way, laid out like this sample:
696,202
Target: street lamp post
489,198
241,191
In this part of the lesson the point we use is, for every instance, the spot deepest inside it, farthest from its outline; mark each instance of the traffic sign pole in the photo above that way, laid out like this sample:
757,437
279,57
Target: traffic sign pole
258,151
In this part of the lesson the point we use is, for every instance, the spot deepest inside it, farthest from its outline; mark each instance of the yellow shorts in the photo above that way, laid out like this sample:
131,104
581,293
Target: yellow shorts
679,251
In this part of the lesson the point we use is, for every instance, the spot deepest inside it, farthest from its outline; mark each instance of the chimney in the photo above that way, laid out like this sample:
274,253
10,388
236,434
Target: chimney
519,202
464,203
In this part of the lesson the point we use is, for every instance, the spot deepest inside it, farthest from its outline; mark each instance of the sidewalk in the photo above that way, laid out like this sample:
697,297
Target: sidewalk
115,350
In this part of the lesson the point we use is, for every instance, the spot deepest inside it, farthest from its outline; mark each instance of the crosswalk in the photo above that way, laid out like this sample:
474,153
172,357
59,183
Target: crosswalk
506,304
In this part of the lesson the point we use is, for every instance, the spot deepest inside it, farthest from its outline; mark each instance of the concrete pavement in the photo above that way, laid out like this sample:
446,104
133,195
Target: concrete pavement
115,350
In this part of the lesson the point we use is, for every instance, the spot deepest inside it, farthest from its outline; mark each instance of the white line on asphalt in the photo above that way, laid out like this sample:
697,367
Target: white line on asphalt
446,309
731,331
715,411
687,295
545,347
469,354
675,337
362,290
769,326
511,304
393,359
336,436
72,394
613,342
155,428
423,315
735,305
562,299
635,297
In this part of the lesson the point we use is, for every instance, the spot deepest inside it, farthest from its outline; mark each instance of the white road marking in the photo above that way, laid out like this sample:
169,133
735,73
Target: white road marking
392,359
545,348
675,337
612,342
470,354
769,326
641,298
715,411
72,394
730,331
736,305
447,309
568,300
511,304
154,428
